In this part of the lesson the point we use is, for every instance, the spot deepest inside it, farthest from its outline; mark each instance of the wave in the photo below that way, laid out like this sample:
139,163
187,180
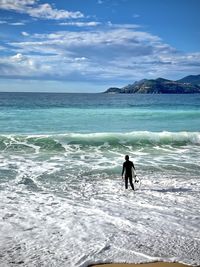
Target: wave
58,143
135,138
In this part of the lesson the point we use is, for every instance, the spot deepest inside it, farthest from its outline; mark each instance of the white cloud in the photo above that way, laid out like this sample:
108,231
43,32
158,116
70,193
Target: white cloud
17,5
128,38
18,58
80,59
81,24
25,33
47,12
23,66
16,23
43,11
123,26
23,60
12,23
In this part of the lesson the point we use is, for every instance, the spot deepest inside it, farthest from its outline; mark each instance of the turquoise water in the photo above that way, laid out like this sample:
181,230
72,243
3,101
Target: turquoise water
62,199
85,113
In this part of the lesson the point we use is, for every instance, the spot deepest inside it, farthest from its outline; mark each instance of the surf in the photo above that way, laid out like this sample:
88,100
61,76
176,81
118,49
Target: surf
59,142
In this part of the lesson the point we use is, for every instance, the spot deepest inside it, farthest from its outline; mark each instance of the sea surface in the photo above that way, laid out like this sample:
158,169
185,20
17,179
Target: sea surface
62,198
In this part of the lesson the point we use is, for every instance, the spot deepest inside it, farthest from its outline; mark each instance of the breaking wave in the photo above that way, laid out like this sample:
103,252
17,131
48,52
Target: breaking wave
58,143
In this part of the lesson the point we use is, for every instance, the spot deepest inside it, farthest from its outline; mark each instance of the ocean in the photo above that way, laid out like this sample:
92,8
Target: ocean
62,198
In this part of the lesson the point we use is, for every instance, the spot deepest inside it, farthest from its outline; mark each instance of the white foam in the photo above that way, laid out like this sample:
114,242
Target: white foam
71,208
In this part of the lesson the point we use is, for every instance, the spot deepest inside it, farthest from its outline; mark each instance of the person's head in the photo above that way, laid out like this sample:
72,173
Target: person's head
127,157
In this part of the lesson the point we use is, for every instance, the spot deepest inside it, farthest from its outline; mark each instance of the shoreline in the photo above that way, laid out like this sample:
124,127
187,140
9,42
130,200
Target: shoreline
151,264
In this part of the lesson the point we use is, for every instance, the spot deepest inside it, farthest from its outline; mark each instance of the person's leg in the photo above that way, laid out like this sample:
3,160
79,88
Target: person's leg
131,182
126,182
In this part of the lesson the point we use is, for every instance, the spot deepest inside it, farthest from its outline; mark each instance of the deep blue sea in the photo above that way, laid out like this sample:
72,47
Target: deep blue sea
62,198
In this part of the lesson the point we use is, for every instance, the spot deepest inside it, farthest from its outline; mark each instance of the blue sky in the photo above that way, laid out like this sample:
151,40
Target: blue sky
90,45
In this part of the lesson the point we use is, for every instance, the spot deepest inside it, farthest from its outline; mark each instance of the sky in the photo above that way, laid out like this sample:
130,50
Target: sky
91,45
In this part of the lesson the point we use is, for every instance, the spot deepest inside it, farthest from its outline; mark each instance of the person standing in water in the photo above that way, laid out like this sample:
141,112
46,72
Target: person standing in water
127,169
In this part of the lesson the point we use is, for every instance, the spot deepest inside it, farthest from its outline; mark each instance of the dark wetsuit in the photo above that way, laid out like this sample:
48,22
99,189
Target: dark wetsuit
127,167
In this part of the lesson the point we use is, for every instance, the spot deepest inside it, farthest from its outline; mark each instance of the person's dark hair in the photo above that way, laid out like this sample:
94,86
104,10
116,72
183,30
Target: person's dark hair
127,157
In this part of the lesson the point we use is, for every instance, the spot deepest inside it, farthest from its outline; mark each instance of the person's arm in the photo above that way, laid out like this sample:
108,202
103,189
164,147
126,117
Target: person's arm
123,169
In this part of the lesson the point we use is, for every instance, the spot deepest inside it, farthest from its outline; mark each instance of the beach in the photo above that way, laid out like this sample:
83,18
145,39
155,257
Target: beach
62,198
155,264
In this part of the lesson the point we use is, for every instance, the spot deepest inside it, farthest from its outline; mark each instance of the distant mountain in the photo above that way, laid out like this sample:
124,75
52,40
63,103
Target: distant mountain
194,79
113,90
157,86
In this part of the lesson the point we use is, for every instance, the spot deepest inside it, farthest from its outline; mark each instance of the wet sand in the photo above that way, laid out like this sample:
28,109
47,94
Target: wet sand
154,264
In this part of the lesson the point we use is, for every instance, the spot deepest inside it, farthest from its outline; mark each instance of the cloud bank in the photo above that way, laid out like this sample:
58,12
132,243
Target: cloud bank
110,53
42,11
